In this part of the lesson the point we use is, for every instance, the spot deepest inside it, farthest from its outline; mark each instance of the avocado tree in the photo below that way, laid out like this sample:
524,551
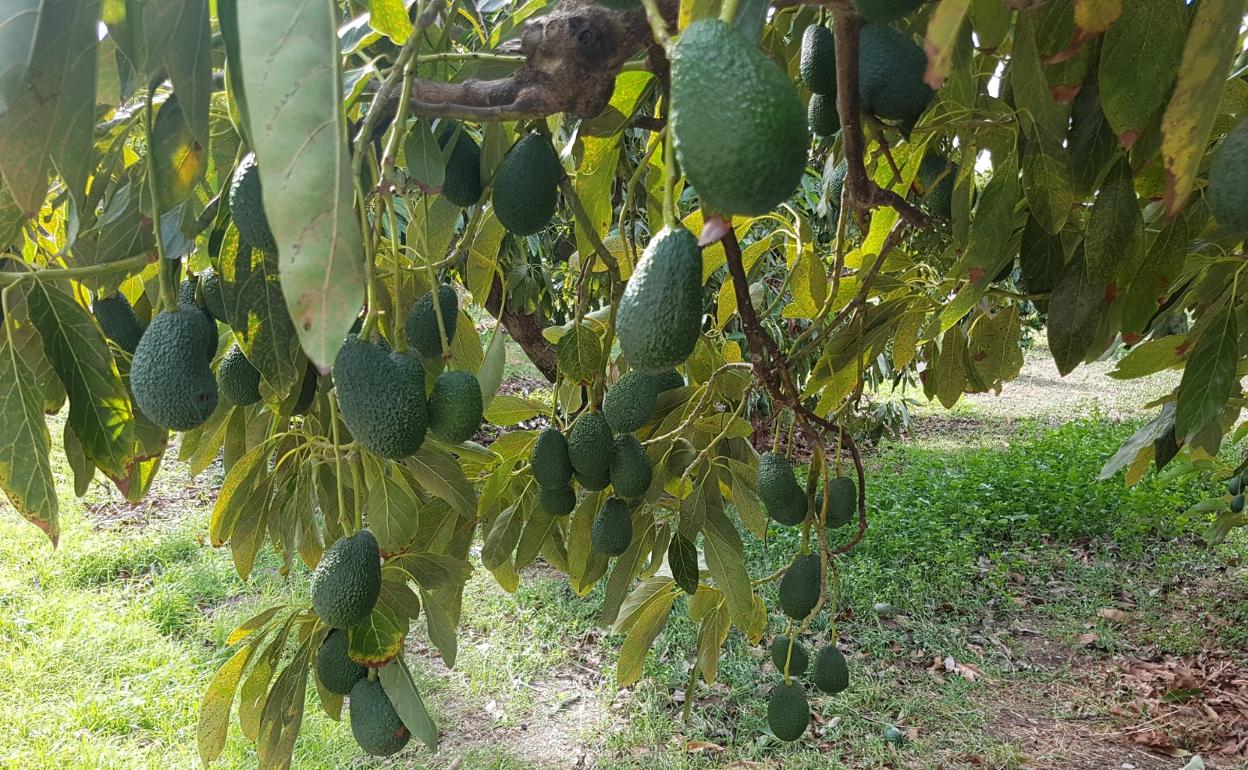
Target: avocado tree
263,225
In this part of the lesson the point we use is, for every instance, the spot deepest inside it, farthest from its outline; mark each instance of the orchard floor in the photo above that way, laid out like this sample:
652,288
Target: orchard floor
1006,610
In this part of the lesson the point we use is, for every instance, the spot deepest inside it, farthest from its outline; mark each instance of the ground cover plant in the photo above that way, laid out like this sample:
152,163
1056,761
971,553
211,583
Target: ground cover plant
264,235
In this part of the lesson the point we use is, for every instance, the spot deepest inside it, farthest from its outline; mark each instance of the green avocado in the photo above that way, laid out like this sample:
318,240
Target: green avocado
890,74
381,396
736,119
334,667
668,380
1237,503
347,582
938,174
613,528
307,391
237,380
593,483
817,63
186,292
1227,191
799,588
797,661
551,466
207,326
831,671
375,724
556,501
170,375
455,407
659,318
788,712
821,116
210,290
629,403
461,183
842,502
118,321
590,445
884,11
526,186
782,497
631,469
422,322
247,206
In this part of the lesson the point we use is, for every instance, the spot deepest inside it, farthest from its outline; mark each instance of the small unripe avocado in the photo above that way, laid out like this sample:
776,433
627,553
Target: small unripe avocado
210,290
660,314
590,445
375,724
890,74
381,396
821,115
307,391
422,322
629,403
556,501
1227,191
831,673
455,407
334,667
170,375
247,206
1235,485
118,321
238,380
526,186
347,581
631,469
788,712
938,175
797,661
842,495
551,467
461,183
799,588
1237,503
817,64
668,380
782,496
613,528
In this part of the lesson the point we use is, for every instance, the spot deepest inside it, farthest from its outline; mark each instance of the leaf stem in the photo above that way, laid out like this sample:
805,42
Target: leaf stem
74,273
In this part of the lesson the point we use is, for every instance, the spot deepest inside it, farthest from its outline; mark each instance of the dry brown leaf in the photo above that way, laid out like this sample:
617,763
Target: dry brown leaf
1113,615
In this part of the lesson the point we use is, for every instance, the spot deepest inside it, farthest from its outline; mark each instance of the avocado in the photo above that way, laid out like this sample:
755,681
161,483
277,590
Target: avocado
796,662
455,407
1235,485
307,391
890,74
593,483
782,497
799,588
938,174
237,380
347,581
556,501
526,186
668,380
117,320
1237,503
170,375
335,669
590,445
461,183
247,206
613,528
629,404
720,80
375,724
788,712
549,459
210,290
821,115
884,11
659,318
842,502
381,396
831,671
422,322
817,63
631,469
1227,192
186,292
207,331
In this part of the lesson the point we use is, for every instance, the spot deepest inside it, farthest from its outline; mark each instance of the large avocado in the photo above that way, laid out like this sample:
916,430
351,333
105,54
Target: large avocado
782,496
381,395
788,712
455,407
551,466
629,403
1228,188
347,581
237,379
736,120
118,321
334,667
817,63
526,186
170,375
590,445
461,183
831,671
247,206
631,469
422,322
375,724
613,528
799,588
842,495
660,313
890,74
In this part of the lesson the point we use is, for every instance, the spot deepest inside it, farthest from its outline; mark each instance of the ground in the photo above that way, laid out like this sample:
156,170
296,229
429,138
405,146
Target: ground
1006,610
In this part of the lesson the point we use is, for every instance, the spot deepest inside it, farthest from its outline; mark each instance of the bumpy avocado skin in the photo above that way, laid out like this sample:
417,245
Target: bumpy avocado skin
798,661
669,380
214,300
375,724
347,581
779,491
738,124
557,501
247,206
237,379
422,322
613,528
831,670
631,469
884,11
890,74
526,187
551,466
660,313
381,395
821,115
461,183
799,588
590,445
118,321
788,712
455,407
938,174
1228,188
629,403
334,667
817,62
170,376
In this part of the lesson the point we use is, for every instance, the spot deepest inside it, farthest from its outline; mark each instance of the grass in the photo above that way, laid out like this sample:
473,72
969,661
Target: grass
977,527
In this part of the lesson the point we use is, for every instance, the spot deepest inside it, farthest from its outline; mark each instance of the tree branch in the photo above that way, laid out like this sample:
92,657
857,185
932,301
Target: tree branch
525,329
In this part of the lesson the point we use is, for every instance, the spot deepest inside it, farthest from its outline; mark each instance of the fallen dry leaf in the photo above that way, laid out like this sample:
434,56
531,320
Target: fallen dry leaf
1113,615
1086,640
700,747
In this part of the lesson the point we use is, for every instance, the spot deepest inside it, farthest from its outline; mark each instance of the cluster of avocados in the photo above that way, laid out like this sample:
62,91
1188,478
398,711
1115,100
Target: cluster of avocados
1236,487
786,502
788,710
345,588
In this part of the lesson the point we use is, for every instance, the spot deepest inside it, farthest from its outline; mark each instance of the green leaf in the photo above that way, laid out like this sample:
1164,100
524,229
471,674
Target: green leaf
391,510
1212,42
682,559
579,354
283,713
439,473
214,710
1095,16
643,630
725,560
18,20
389,17
177,157
1040,259
950,370
179,32
379,638
432,570
25,471
400,688
1076,308
99,406
1139,61
628,565
744,485
712,632
942,35
1115,235
490,376
255,689
1141,441
1048,188
1155,278
991,21
1151,357
501,540
299,134
1209,379
422,156
234,497
441,624
510,410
